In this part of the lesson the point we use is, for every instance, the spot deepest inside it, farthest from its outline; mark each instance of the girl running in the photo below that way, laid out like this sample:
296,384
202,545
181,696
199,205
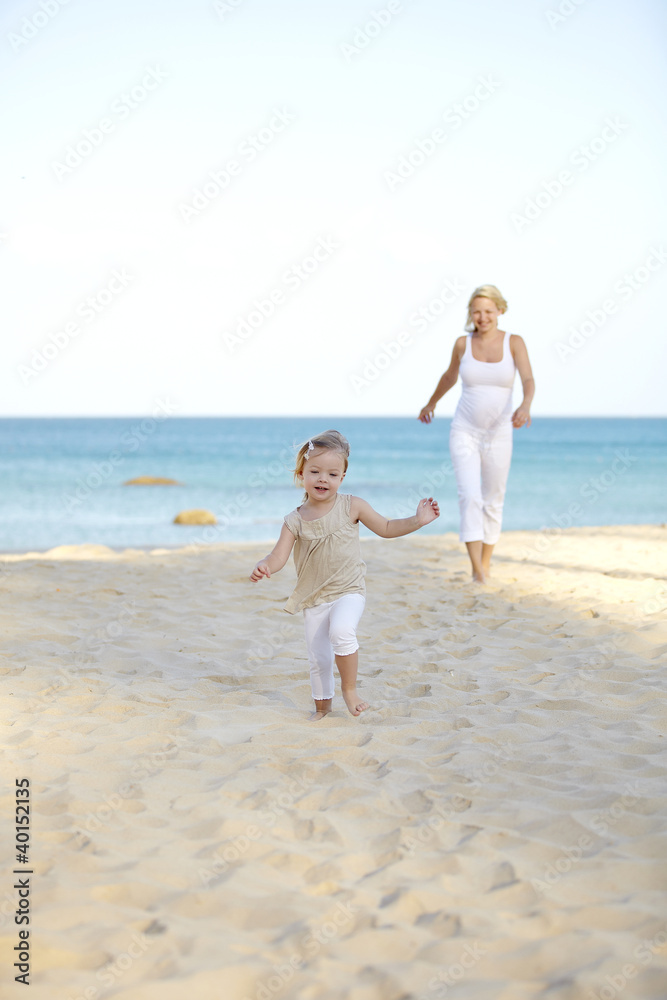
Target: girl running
330,589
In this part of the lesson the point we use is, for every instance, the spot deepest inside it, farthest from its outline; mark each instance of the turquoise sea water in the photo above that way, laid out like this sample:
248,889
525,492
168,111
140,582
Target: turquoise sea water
62,479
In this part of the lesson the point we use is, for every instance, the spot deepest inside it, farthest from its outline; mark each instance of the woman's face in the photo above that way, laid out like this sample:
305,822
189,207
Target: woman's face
484,314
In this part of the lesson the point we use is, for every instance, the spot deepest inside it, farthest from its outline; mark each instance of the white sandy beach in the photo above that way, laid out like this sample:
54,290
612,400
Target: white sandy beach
492,829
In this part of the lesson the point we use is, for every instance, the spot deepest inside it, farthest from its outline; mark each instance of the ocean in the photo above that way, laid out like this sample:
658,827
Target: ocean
62,478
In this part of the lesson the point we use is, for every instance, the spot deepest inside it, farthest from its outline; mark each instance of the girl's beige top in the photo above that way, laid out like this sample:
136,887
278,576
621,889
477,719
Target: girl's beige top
327,556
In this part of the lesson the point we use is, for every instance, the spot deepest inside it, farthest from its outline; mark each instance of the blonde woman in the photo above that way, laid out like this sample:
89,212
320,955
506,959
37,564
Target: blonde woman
480,440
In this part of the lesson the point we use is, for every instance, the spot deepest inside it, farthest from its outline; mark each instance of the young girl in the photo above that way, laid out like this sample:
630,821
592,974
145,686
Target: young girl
330,590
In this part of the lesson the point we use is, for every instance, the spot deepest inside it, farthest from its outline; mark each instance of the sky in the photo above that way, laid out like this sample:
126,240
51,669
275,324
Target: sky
246,207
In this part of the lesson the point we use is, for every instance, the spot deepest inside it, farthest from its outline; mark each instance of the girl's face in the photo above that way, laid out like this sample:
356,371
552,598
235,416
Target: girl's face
322,475
484,314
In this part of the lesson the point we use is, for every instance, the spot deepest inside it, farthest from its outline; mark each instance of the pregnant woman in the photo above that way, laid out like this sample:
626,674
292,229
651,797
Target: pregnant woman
480,440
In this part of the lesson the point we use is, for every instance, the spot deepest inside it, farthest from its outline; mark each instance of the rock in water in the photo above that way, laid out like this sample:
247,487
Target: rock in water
152,481
195,517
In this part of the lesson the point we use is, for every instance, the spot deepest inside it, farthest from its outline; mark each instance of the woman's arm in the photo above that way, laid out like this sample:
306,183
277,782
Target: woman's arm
447,381
361,510
277,558
521,415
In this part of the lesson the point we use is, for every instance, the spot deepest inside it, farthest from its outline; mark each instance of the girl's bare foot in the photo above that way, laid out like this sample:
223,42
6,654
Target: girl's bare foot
355,703
322,708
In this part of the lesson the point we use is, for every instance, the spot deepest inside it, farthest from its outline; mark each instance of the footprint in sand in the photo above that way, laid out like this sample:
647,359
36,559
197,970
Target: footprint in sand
418,690
466,686
501,876
467,833
465,654
440,923
138,895
497,697
155,927
327,871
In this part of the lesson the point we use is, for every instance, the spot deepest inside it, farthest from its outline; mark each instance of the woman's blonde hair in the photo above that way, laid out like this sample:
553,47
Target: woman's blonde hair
487,292
327,441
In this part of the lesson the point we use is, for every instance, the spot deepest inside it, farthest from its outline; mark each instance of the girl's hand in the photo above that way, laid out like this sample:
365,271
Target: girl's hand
426,414
260,570
521,417
427,510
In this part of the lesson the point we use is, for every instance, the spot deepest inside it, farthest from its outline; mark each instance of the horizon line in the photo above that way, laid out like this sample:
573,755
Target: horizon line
311,416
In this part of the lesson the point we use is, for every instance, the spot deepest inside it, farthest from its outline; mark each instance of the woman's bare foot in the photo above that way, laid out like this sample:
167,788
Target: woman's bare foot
478,577
322,708
355,703
487,552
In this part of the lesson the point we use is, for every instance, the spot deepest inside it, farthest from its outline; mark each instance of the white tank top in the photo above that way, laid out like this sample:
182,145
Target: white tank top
486,399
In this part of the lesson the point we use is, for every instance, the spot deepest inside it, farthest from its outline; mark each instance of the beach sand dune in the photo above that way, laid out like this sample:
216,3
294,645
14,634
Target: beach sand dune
492,829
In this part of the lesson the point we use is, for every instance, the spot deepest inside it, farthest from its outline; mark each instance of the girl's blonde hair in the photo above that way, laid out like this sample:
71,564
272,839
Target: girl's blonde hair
327,441
487,292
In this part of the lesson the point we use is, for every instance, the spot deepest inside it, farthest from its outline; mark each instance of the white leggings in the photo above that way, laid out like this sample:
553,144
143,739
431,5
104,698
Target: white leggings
481,466
331,630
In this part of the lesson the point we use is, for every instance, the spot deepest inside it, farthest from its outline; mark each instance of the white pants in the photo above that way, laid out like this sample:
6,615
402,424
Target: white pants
331,630
481,466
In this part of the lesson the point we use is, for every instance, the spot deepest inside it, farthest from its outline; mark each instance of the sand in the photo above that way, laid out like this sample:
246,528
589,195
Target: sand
494,827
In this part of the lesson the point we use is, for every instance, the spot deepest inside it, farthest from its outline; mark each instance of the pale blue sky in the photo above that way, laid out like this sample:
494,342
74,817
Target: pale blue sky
170,285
